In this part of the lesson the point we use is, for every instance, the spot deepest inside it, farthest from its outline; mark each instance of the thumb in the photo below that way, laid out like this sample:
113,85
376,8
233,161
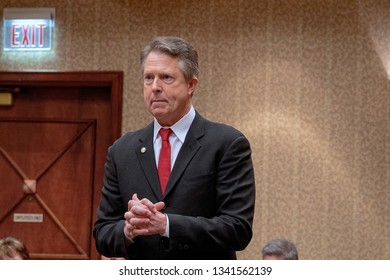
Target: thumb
135,197
159,205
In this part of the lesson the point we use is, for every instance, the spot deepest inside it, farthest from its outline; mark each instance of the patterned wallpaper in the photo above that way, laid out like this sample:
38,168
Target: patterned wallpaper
306,81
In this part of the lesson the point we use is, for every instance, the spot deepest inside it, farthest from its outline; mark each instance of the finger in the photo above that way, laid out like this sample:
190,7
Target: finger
128,228
139,223
137,213
159,205
141,211
157,224
128,215
147,203
133,201
141,231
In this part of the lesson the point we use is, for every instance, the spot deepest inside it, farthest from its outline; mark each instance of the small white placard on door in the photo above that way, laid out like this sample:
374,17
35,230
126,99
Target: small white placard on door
28,218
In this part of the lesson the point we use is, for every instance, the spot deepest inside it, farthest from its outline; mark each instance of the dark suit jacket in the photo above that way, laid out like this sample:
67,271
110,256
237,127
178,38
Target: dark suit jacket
209,199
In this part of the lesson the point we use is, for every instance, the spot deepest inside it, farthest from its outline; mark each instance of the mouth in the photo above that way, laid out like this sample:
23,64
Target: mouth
158,101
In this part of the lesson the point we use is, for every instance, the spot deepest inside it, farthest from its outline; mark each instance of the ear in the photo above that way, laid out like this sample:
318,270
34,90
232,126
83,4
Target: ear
193,83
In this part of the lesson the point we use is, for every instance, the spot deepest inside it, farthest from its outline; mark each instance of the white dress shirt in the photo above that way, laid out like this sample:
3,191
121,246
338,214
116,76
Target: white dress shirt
176,140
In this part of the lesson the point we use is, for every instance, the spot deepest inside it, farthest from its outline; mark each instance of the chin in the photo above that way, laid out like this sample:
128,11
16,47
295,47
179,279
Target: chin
158,112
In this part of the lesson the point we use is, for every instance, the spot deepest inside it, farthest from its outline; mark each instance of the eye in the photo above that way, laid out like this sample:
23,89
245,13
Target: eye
167,79
148,79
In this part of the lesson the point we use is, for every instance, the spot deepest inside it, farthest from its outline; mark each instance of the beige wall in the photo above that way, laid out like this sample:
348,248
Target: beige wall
306,81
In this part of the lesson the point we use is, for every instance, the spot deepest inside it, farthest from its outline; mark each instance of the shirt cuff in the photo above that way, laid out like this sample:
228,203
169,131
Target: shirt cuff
166,234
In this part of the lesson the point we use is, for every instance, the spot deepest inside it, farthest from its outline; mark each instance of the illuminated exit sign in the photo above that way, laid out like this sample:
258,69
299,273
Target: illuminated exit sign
28,29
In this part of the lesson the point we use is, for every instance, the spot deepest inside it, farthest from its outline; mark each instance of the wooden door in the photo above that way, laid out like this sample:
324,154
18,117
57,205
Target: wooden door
53,143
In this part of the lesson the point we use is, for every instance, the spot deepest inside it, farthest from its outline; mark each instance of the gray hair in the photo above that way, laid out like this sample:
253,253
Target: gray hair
282,248
10,247
174,47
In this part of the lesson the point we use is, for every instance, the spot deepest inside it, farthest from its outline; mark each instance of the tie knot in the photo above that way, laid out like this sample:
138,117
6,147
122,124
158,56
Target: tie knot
164,133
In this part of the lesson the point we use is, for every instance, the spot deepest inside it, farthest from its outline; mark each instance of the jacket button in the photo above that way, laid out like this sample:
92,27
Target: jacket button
186,247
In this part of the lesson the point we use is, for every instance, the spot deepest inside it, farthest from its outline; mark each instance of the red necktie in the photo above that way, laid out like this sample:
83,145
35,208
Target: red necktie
164,161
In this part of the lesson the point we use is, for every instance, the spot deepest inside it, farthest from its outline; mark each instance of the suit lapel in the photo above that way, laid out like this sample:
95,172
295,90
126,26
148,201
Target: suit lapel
190,147
146,157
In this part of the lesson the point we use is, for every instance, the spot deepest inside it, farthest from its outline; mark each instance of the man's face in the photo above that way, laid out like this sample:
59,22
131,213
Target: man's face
167,94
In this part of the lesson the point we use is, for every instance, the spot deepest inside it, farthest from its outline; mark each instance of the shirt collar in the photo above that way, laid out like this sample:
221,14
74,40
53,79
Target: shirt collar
180,128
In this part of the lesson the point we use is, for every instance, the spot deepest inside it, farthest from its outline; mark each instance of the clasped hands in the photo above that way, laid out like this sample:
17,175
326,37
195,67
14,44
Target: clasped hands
144,218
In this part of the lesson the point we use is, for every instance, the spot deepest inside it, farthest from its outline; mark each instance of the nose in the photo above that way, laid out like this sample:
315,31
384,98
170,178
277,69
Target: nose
156,85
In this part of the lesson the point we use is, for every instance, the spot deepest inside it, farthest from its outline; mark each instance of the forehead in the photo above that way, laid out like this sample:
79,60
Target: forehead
157,61
272,257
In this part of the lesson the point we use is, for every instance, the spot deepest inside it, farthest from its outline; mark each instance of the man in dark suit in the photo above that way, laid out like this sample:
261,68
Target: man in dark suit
205,209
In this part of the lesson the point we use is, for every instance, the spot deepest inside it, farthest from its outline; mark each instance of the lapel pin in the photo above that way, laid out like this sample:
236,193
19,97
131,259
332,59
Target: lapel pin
143,150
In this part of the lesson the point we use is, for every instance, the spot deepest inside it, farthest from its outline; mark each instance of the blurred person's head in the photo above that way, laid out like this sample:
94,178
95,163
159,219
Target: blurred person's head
279,249
12,249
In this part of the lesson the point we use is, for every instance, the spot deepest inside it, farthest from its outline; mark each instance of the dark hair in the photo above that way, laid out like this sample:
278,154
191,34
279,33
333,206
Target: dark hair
281,248
175,47
11,247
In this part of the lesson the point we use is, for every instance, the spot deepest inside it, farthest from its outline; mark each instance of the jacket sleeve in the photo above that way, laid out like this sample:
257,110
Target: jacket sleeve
108,229
230,229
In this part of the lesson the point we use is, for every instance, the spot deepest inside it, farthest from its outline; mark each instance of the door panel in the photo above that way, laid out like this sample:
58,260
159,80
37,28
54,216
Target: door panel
55,163
52,150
